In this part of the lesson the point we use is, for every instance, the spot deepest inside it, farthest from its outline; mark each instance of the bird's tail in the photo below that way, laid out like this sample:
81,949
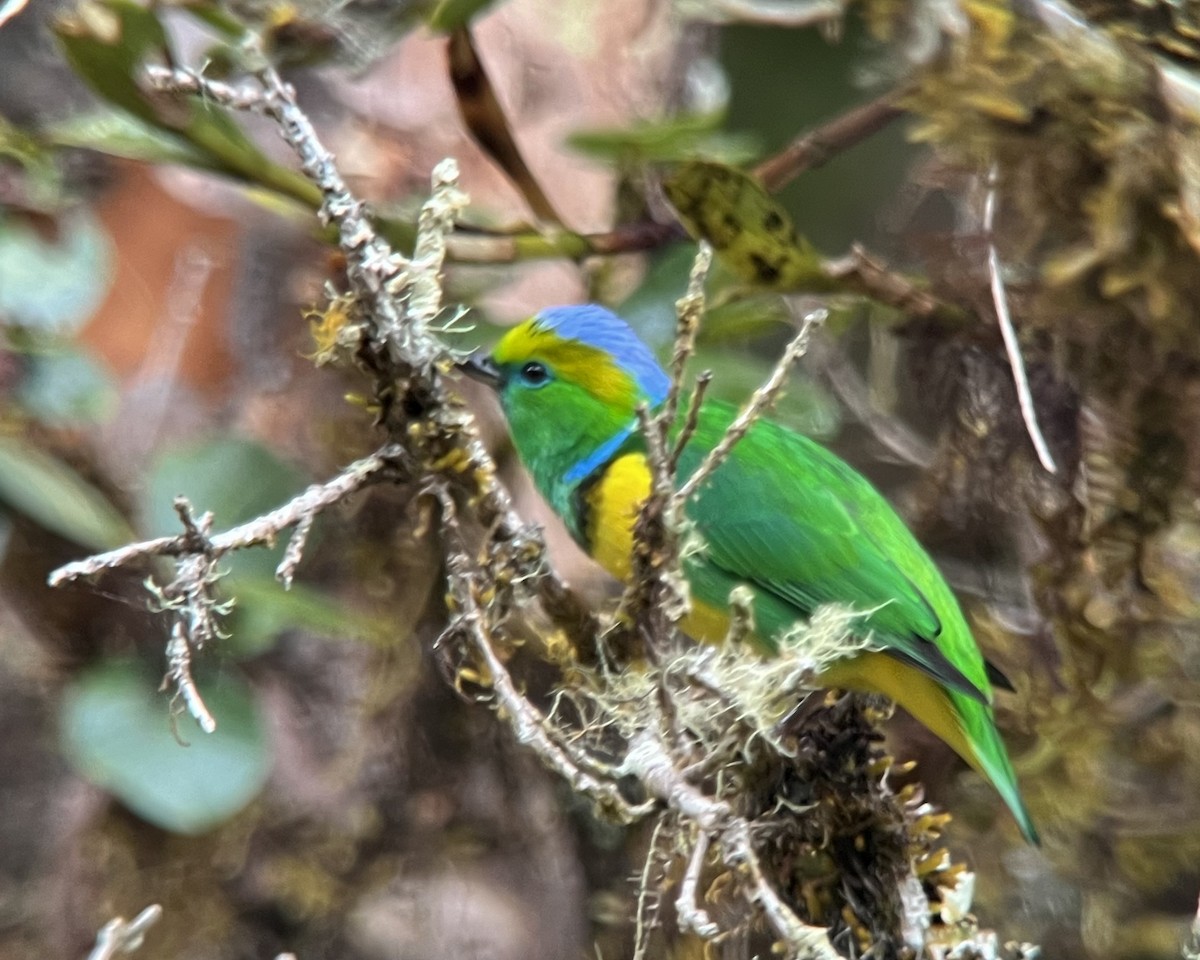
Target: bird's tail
987,754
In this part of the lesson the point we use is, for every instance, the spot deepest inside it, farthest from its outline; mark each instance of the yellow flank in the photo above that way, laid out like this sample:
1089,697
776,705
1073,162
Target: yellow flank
915,691
613,503
572,361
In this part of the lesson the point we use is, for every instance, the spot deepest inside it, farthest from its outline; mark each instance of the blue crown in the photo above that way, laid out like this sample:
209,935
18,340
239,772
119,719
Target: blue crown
594,326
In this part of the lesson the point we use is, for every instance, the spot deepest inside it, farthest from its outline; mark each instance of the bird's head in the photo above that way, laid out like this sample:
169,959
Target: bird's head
570,379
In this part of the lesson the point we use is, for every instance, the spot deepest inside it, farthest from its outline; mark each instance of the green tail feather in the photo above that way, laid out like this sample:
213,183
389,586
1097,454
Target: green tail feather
991,759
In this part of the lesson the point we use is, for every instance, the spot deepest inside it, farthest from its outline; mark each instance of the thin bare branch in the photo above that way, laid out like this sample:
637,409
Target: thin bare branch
762,400
691,420
692,918
179,673
259,531
1004,318
646,914
286,571
526,721
817,147
800,939
121,936
688,310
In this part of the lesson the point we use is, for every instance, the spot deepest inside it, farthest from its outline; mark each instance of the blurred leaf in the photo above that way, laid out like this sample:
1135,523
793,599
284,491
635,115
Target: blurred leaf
805,405
68,387
751,233
448,15
116,731
42,184
79,264
49,492
218,16
650,308
744,317
123,135
686,137
265,609
107,42
236,479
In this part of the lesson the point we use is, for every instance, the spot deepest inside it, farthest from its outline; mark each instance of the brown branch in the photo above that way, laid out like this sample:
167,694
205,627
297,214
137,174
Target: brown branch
817,147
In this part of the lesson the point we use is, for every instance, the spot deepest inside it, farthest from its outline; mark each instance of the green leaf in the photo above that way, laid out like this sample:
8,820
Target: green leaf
80,264
49,492
123,135
116,731
42,184
107,42
68,387
236,479
264,610
805,405
750,233
684,137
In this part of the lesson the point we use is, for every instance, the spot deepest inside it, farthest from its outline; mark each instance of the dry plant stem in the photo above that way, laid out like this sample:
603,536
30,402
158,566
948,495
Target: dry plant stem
861,273
179,673
120,936
801,939
689,309
692,419
692,917
470,618
645,916
1004,318
387,282
759,404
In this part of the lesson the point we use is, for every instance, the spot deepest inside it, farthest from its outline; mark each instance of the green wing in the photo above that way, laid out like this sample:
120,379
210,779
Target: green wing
786,515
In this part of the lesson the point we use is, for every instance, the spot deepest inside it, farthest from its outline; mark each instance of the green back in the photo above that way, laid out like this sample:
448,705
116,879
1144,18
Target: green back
791,518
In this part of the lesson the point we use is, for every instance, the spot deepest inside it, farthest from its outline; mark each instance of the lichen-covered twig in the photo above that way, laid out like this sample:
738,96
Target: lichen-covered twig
692,917
1004,318
652,764
468,618
262,530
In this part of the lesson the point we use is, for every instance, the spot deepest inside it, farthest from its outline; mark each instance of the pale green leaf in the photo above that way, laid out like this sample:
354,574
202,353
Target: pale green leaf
116,730
49,492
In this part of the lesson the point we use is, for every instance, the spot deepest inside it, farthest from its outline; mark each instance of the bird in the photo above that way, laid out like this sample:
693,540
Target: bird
782,515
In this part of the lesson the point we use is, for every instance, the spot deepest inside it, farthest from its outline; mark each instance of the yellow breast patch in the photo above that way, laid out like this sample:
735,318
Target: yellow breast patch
613,503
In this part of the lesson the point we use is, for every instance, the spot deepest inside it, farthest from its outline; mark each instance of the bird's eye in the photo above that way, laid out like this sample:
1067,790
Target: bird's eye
535,374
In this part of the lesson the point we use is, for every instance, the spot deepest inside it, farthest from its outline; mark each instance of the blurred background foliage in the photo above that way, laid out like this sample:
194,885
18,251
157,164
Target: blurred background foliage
156,259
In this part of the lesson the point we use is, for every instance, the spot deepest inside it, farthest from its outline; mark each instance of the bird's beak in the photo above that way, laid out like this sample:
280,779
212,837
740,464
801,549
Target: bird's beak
479,366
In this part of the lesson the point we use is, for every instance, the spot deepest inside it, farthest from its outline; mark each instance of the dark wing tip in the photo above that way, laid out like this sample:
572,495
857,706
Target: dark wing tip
932,661
997,678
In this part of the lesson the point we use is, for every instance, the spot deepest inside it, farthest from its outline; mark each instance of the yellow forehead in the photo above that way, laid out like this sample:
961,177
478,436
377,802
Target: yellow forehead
569,360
